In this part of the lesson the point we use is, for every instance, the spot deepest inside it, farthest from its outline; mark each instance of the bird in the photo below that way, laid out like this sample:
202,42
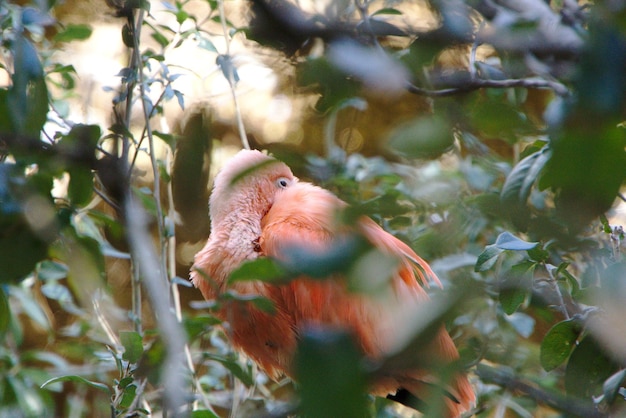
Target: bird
259,209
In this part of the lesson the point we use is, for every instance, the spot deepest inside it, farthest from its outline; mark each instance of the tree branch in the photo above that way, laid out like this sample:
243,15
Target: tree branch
479,83
572,406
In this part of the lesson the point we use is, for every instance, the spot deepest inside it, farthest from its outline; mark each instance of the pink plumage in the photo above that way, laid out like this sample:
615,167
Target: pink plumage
258,208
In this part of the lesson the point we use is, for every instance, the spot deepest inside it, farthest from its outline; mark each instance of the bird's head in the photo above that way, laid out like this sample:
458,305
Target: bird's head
247,185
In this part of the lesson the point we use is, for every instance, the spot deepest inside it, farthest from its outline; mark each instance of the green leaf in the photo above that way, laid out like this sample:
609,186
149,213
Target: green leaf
263,269
231,363
20,251
127,36
260,302
584,194
387,11
129,395
80,188
151,362
517,186
508,241
73,32
487,258
203,413
5,313
160,38
425,137
77,379
133,346
205,43
516,286
588,368
559,343
332,382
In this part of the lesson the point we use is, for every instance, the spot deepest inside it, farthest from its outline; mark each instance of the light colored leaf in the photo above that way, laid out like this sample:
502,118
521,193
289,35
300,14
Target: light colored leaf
508,241
77,379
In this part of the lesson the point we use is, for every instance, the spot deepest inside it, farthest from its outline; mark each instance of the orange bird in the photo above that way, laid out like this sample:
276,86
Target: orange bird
259,209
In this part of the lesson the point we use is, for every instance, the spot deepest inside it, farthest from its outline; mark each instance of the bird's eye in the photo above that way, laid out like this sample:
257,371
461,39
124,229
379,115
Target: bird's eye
282,182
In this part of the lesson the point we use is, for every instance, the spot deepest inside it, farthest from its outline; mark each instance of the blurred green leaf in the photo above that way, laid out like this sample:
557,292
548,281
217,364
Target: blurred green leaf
73,32
495,117
133,346
371,273
387,11
328,368
80,188
151,362
558,343
516,286
20,251
78,379
231,363
27,99
425,137
203,413
587,369
264,269
5,313
333,84
586,169
260,302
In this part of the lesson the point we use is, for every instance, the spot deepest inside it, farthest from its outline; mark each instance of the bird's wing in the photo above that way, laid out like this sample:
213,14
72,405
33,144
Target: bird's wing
304,216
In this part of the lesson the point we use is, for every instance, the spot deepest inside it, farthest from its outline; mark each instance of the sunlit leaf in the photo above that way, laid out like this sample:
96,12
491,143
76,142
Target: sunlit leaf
73,32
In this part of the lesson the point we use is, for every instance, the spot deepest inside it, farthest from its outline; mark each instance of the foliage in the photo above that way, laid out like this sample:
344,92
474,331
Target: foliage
506,185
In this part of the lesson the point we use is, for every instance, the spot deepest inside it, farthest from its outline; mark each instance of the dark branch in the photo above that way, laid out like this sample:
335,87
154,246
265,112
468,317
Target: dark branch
572,406
479,83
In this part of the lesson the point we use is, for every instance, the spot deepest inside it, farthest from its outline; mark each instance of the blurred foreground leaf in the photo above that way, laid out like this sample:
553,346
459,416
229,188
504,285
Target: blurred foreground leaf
328,369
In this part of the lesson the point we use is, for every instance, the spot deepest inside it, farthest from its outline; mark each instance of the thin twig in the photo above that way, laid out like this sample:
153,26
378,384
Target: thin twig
149,266
230,76
506,379
557,291
479,83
